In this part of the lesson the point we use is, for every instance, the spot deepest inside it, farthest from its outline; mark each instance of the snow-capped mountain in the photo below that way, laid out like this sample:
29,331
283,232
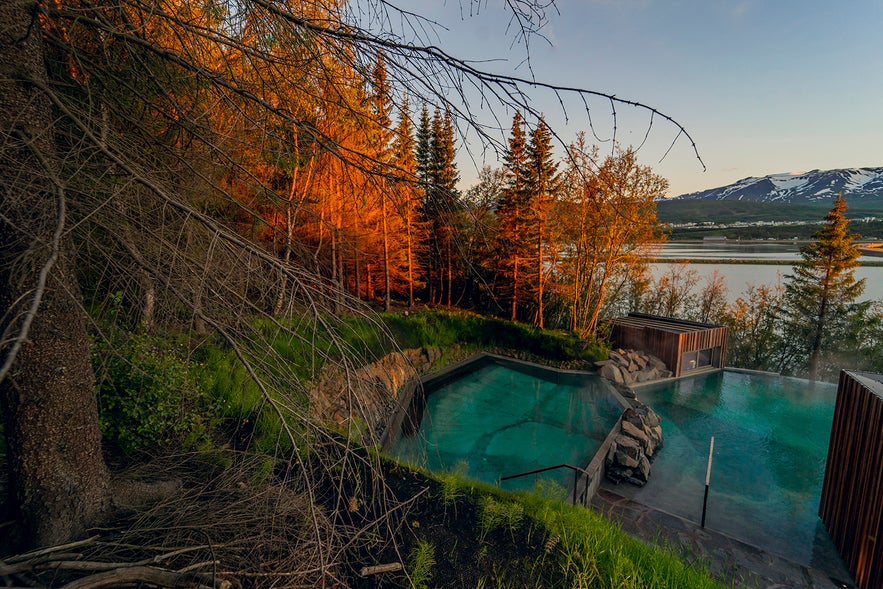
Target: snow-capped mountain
856,184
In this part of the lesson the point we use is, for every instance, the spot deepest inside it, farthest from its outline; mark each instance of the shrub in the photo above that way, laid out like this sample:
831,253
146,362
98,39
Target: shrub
149,396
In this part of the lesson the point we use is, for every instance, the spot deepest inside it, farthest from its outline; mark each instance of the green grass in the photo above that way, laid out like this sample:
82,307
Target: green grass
447,328
531,540
422,559
592,552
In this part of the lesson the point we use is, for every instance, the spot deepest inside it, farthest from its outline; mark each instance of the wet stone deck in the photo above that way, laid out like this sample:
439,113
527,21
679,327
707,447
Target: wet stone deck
731,561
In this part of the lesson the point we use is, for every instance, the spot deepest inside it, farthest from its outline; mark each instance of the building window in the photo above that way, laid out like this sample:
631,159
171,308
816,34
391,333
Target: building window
688,361
704,358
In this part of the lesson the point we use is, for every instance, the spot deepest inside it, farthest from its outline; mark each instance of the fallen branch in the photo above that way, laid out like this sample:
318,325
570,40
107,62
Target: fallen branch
377,569
154,576
43,551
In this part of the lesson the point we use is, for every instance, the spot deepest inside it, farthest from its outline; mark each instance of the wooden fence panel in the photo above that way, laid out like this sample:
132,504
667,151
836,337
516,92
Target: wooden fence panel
852,495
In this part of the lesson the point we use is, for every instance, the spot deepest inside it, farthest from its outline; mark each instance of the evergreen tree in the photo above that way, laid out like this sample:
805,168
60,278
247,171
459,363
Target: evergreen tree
436,151
448,177
512,217
381,107
543,183
424,147
820,295
424,157
407,193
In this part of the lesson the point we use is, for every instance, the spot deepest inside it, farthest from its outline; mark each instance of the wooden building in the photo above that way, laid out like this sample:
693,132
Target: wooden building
683,345
852,495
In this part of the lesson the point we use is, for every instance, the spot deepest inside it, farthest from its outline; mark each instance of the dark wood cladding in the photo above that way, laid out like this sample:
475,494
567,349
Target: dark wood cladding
852,495
668,339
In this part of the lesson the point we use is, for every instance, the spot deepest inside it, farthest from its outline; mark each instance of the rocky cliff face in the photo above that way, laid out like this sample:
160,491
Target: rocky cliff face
368,395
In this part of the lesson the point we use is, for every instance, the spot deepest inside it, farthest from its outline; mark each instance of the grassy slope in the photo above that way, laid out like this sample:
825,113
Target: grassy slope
459,533
731,211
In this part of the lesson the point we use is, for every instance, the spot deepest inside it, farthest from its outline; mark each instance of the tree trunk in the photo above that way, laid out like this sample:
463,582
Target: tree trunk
539,322
816,346
386,288
57,473
410,266
356,261
450,272
514,311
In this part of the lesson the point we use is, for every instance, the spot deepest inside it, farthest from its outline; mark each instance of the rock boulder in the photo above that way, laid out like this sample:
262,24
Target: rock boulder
633,448
627,367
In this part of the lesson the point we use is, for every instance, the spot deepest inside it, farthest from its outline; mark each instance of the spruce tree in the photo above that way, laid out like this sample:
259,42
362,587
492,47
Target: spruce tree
448,177
820,295
426,176
381,107
424,147
407,193
441,199
543,184
511,214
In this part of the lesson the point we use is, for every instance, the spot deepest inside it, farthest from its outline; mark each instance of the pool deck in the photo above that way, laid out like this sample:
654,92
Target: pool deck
730,560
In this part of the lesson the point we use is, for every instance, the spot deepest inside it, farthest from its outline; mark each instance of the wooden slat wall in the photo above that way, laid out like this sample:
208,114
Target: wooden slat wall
852,495
668,345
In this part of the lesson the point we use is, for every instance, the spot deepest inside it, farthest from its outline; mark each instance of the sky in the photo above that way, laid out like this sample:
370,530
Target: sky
762,86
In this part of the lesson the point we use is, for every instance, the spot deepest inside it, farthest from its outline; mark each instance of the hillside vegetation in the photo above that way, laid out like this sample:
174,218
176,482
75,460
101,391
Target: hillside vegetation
797,220
160,397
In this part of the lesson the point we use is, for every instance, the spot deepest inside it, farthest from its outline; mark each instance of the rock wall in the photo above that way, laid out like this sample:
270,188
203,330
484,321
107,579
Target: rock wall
628,367
368,394
633,449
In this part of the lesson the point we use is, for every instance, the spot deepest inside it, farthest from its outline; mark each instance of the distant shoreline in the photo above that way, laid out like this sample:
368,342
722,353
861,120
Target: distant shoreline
872,264
871,249
874,249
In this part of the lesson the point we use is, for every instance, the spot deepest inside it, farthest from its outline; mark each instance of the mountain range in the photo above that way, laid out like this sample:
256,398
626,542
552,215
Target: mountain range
858,185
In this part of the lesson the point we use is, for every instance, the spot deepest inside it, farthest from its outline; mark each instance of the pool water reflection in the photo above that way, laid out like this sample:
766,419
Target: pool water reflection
771,442
505,418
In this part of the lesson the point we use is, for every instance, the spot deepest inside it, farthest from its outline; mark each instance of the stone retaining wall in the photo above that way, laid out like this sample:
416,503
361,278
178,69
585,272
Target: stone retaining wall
640,433
368,394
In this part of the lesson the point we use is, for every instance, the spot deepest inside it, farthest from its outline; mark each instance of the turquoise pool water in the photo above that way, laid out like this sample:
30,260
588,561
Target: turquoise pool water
505,418
771,442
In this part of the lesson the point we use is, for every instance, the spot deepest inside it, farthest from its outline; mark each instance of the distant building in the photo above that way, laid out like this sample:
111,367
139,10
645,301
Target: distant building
714,238
683,345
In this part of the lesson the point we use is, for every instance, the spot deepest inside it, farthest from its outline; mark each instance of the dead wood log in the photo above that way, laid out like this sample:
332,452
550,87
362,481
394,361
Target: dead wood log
152,575
377,569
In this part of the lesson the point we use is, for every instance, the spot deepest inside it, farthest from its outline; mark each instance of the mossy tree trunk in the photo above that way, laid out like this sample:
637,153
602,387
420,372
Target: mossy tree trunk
57,473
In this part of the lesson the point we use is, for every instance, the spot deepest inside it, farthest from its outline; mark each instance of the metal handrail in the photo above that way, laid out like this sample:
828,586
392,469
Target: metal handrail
576,472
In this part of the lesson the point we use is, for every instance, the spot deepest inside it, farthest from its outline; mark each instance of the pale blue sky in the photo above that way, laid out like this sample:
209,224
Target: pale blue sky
763,86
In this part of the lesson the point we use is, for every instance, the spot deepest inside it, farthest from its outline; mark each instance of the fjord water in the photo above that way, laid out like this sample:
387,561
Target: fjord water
501,420
771,442
733,261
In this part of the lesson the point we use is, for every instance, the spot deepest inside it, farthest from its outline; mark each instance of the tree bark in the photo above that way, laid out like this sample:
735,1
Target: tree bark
540,312
410,265
57,473
386,285
514,308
